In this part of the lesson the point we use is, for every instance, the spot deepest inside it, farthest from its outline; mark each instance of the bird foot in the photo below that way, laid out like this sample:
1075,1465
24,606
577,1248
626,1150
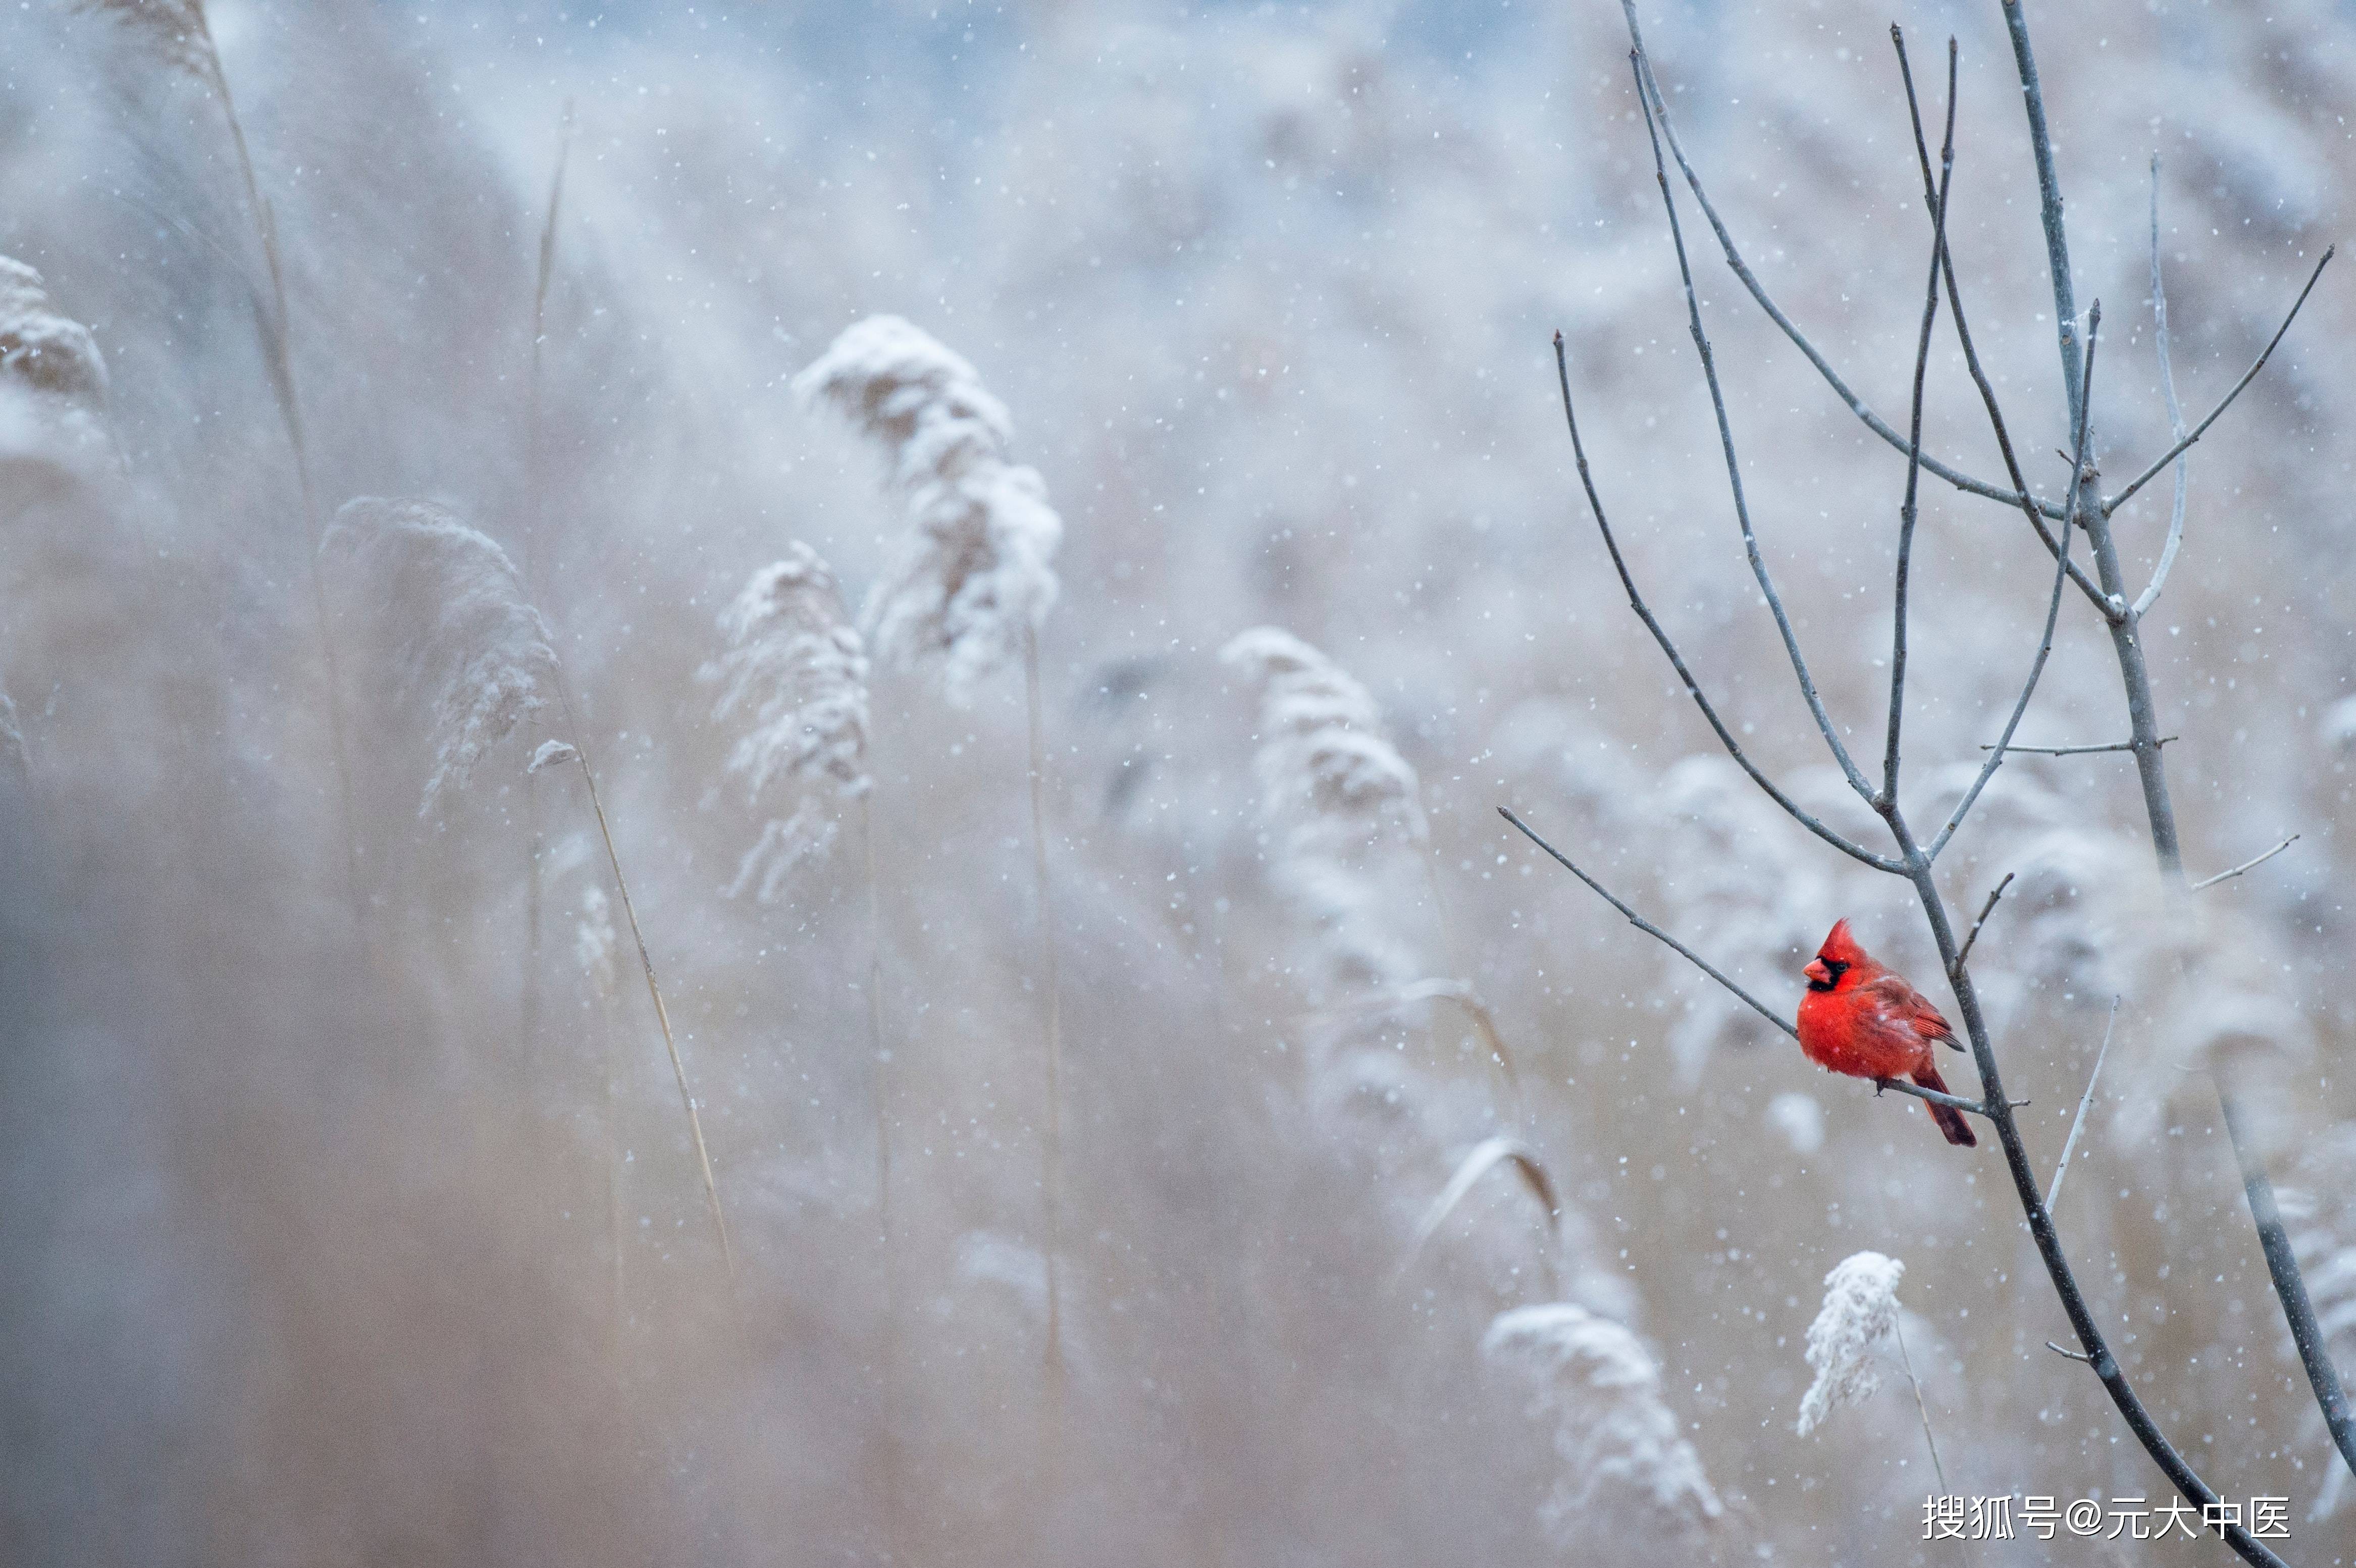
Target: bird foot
1878,1085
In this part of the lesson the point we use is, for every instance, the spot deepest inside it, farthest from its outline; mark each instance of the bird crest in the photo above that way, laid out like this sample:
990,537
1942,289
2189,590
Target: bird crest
1840,946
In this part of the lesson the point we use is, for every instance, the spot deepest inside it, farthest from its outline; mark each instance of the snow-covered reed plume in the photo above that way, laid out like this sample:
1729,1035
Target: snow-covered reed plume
967,589
1625,1465
796,670
450,610
41,348
174,30
976,577
52,378
1860,1309
1339,805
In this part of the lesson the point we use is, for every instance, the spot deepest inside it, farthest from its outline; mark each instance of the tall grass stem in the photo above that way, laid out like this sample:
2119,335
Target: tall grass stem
1052,1142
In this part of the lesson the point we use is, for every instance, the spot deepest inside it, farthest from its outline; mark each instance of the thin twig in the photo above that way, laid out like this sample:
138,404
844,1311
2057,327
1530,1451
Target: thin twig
2150,595
1935,1096
2073,1354
1669,646
1733,465
2038,513
2078,750
1922,1409
2052,608
2248,376
1907,511
2085,1101
1651,929
1985,911
1758,291
2255,860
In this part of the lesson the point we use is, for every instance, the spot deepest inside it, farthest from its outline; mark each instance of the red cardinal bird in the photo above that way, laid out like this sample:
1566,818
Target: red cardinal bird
1861,1019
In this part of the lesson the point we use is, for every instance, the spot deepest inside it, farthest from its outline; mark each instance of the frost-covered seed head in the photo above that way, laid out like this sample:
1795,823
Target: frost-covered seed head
447,604
1619,1440
797,671
552,754
1337,800
42,348
976,575
174,29
1860,1308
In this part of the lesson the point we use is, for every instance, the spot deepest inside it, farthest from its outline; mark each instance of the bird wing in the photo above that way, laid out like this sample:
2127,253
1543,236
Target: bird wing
1904,1005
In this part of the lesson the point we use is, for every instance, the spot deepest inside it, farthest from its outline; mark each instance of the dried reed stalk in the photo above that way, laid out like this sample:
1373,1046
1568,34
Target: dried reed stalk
180,37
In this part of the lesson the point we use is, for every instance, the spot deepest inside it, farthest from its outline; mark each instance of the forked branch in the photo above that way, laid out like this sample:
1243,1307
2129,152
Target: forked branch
1733,465
2038,513
1907,511
1650,90
1954,1102
1668,644
2165,459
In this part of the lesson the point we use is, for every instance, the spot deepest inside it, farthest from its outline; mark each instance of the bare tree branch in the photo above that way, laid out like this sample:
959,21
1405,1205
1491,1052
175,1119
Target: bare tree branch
2283,1265
2259,860
2227,401
2078,750
1651,929
2053,611
2036,514
2145,600
1749,280
1935,1097
2151,772
2070,1144
1907,513
1669,646
1963,955
1733,465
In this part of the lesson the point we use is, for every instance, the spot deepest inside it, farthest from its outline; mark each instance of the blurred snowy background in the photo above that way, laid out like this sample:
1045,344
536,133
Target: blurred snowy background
321,1250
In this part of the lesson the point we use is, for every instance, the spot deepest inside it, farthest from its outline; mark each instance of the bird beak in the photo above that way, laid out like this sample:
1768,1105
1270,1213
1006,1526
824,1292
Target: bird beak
1818,971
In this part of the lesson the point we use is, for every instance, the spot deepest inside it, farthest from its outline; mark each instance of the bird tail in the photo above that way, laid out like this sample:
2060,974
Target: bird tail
1950,1120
